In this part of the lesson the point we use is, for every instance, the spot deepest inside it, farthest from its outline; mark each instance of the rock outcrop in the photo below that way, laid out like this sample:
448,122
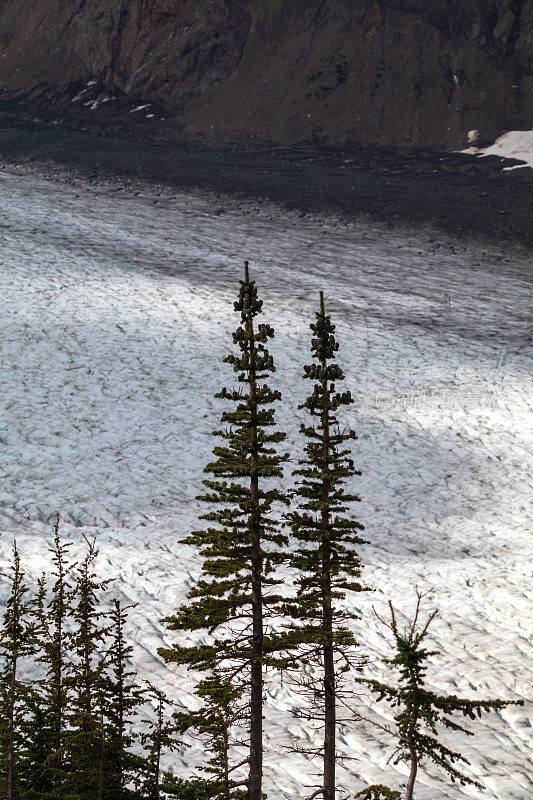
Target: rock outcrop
408,73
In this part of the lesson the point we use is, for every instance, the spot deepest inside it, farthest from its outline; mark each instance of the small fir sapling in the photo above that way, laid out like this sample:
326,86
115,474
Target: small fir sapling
159,737
378,792
421,712
212,724
220,714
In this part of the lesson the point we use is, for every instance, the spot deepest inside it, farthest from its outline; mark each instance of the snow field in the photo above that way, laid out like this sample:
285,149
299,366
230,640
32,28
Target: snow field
513,144
117,311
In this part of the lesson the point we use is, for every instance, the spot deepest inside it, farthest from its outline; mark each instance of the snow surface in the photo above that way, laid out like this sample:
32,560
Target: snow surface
513,144
117,310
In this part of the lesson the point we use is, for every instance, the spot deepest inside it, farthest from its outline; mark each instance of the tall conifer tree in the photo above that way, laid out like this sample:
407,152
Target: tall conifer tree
55,643
326,535
243,546
17,641
122,701
33,750
86,682
36,729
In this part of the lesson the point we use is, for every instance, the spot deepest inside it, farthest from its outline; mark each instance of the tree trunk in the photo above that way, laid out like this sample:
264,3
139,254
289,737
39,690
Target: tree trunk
256,697
256,680
414,757
10,787
256,687
330,711
57,700
157,765
100,792
412,775
87,699
227,792
57,697
120,670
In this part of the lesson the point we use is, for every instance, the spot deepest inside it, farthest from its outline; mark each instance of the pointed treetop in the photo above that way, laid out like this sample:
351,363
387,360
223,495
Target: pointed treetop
322,307
248,303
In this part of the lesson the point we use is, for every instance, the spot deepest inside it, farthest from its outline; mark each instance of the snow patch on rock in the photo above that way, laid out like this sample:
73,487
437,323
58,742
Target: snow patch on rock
514,144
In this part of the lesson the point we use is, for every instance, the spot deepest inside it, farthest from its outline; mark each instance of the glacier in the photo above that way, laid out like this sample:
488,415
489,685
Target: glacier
116,312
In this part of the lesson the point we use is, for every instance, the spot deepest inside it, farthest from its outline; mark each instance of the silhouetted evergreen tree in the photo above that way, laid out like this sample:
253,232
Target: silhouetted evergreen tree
122,699
220,714
17,642
161,736
243,546
184,789
213,724
34,775
53,611
421,711
327,538
33,756
378,792
86,683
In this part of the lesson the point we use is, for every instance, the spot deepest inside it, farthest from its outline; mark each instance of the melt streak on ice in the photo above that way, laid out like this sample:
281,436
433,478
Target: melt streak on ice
117,311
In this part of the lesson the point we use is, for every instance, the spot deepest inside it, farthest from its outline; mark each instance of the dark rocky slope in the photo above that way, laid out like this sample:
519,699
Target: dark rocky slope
407,73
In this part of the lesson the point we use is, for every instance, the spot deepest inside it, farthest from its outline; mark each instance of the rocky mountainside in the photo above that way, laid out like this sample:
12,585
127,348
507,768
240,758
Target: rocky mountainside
408,73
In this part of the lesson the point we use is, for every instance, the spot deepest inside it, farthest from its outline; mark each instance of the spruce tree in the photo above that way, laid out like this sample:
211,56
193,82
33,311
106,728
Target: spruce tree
214,721
422,712
242,546
55,642
326,536
160,736
378,792
33,749
84,736
220,714
17,642
34,756
122,699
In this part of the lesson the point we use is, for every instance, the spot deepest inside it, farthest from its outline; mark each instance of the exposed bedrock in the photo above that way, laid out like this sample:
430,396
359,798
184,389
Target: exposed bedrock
408,73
